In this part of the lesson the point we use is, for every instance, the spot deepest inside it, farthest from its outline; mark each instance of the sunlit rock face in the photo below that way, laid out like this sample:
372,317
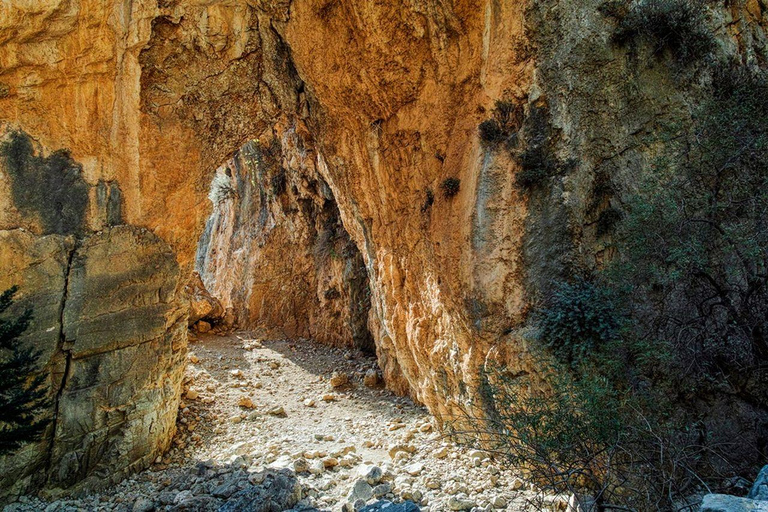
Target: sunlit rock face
115,117
275,250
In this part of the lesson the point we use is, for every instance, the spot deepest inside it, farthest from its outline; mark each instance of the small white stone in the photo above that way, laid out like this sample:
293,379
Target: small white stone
414,469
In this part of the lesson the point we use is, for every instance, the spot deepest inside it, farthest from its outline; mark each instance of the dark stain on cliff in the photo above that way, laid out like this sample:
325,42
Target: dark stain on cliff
50,188
109,199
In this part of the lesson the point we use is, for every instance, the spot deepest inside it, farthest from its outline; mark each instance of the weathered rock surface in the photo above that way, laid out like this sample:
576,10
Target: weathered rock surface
759,490
388,506
726,503
274,248
756,500
123,335
111,334
202,305
39,266
279,491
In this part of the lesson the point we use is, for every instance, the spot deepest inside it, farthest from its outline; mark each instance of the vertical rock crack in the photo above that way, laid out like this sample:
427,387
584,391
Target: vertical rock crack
67,353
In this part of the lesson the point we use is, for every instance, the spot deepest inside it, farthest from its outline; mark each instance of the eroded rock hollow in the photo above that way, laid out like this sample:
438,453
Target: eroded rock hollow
353,200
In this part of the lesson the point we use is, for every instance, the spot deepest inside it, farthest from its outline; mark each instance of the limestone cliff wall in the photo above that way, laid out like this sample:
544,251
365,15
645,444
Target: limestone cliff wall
375,105
111,330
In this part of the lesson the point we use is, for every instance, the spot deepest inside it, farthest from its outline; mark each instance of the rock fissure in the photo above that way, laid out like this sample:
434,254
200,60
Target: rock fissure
61,351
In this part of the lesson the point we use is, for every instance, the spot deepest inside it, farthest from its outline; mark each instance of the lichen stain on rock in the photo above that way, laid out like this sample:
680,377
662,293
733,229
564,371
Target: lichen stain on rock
49,188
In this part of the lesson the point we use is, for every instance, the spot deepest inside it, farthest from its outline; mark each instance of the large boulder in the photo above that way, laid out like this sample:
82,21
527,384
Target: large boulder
727,503
756,500
279,491
202,305
759,489
38,266
112,337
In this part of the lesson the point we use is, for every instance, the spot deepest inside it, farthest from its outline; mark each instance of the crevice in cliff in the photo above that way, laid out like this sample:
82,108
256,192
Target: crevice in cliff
61,351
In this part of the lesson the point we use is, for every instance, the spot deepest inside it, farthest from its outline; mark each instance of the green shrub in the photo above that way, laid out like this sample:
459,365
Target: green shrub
694,243
584,437
677,26
635,357
23,395
331,293
579,319
450,186
503,125
491,132
536,165
538,161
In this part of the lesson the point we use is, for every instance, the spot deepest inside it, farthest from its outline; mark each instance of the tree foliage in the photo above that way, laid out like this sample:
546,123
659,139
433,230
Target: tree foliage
678,316
694,242
23,396
677,26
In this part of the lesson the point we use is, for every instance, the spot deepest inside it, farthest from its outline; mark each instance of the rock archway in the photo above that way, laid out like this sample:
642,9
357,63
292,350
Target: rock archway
145,99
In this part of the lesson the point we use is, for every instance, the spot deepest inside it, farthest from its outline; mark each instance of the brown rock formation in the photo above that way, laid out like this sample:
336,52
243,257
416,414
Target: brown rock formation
375,104
111,332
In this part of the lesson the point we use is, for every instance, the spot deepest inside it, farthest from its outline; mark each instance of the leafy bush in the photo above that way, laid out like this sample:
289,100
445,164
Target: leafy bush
584,437
222,188
450,186
538,161
491,132
23,396
536,165
579,320
694,242
331,293
677,26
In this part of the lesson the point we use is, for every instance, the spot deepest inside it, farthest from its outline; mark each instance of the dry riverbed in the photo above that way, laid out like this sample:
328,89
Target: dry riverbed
253,405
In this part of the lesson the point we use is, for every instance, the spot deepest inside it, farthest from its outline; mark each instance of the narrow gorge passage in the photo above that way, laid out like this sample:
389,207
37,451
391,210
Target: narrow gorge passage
274,252
252,404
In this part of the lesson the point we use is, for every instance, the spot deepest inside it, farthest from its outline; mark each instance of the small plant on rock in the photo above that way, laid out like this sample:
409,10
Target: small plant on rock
503,125
677,26
222,189
538,162
450,186
579,319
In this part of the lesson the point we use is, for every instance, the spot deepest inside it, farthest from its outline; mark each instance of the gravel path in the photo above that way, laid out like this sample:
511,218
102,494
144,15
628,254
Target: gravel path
251,404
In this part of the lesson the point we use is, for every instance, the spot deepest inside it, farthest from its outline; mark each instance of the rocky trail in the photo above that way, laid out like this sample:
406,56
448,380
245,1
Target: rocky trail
293,425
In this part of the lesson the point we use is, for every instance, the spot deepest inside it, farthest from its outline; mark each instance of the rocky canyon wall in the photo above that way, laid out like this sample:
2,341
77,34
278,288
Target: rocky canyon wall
275,251
351,116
